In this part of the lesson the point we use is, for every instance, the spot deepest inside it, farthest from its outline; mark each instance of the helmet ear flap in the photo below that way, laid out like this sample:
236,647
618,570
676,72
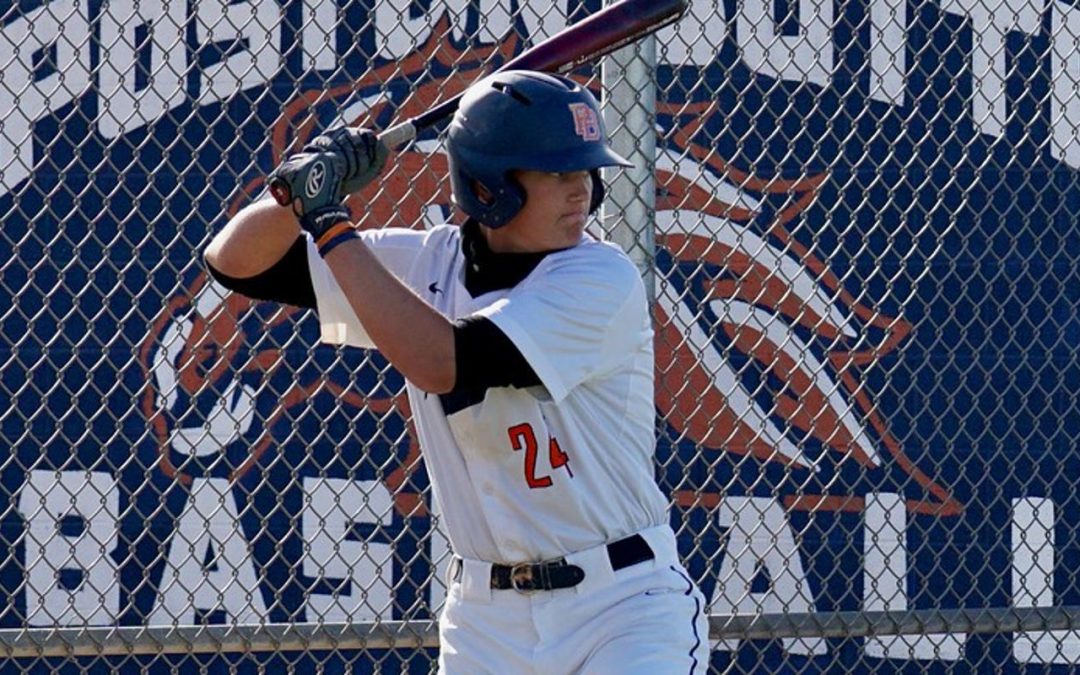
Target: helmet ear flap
492,200
597,191
506,202
519,196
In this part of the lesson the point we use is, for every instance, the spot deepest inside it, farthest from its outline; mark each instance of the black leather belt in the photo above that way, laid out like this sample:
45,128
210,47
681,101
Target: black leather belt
553,574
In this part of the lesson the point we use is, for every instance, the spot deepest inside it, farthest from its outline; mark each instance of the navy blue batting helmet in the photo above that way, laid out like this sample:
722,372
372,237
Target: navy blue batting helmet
523,120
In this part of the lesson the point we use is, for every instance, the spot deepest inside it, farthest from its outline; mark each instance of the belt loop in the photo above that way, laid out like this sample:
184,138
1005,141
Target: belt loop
661,539
476,580
597,565
453,570
545,576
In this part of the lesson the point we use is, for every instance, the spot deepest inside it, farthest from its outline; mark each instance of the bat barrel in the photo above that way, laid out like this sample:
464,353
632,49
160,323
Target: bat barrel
599,34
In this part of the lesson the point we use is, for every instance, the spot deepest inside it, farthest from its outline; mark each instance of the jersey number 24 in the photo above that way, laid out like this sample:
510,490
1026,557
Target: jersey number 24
522,437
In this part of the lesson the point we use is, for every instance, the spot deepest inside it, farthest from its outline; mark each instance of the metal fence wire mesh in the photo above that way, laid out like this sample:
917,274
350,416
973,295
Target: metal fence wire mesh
858,222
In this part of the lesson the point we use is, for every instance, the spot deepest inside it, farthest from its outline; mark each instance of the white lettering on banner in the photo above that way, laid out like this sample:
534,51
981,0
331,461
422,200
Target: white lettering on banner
885,573
806,57
758,541
398,32
680,42
137,33
319,34
247,32
210,568
71,577
888,50
1033,561
71,533
333,507
45,56
990,22
1065,95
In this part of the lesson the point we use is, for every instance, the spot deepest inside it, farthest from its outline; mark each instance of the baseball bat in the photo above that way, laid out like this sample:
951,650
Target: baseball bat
598,34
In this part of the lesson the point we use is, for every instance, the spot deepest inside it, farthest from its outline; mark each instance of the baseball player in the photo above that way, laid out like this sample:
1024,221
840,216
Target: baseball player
527,348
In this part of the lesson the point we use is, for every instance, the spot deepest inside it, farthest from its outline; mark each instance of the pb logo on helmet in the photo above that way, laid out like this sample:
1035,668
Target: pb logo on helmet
586,123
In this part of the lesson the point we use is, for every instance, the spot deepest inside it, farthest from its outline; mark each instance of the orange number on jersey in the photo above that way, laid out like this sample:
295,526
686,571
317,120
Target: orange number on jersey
522,437
557,457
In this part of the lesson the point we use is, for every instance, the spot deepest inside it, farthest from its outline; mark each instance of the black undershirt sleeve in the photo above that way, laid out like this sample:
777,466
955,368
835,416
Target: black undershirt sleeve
287,281
486,358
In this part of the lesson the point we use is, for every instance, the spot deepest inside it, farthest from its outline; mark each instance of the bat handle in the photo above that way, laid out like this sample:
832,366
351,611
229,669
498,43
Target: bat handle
398,135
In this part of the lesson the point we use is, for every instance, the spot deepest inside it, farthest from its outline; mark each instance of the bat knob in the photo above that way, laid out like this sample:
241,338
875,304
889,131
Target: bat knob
279,189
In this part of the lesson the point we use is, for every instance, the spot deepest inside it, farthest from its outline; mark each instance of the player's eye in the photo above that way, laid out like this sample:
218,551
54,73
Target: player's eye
564,175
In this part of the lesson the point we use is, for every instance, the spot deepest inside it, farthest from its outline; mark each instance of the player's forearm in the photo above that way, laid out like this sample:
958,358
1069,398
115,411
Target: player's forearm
417,339
253,240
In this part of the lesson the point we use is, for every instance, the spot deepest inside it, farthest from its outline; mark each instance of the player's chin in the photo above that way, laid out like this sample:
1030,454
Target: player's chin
571,227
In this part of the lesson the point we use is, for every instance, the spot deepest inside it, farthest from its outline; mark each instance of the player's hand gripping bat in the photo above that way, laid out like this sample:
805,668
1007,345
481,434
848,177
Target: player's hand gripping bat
599,34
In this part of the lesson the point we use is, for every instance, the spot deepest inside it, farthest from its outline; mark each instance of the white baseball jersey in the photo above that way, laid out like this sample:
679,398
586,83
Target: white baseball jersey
531,474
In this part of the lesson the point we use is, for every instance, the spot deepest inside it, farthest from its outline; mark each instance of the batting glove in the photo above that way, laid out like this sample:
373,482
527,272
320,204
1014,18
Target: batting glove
312,183
362,153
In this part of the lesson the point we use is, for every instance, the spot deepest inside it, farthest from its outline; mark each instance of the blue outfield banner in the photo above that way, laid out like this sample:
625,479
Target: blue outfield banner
867,321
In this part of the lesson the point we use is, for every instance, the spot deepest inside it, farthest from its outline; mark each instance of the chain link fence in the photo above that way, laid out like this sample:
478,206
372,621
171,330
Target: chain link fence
858,224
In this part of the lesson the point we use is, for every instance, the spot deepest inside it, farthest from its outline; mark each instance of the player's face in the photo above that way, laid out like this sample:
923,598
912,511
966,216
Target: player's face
556,209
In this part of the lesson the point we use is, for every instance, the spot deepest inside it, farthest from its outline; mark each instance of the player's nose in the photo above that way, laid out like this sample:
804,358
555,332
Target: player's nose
580,184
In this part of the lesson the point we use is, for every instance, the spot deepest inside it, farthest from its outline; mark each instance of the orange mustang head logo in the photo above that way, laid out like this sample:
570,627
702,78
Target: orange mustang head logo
760,348
225,373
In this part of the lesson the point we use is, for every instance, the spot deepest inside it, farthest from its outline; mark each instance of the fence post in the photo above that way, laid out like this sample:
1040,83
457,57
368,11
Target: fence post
629,109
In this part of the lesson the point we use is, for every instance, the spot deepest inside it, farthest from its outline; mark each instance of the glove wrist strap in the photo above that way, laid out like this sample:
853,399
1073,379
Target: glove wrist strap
321,221
336,237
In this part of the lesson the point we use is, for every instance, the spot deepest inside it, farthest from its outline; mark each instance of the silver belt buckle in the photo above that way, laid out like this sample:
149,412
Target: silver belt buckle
519,574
